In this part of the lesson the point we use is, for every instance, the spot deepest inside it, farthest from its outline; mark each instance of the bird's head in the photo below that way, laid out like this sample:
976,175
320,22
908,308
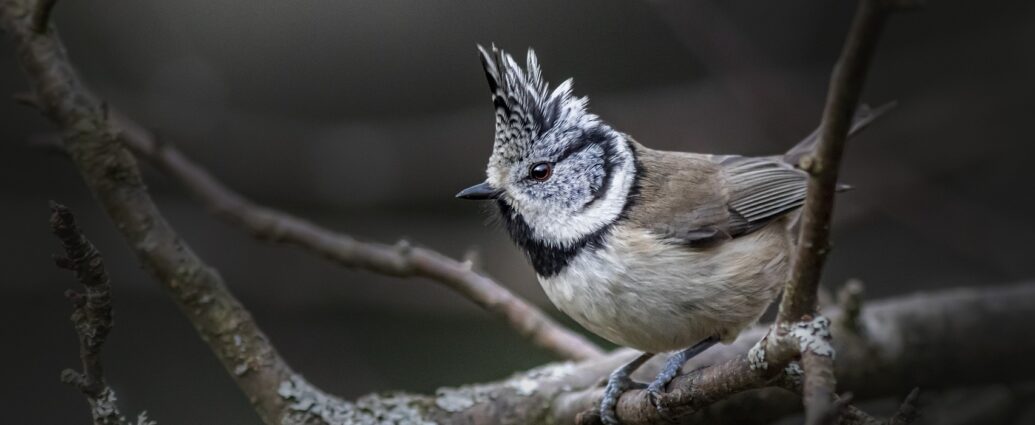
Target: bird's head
558,173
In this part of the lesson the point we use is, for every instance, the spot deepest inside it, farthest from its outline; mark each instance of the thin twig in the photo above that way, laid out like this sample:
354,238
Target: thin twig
394,260
801,291
92,309
823,165
91,316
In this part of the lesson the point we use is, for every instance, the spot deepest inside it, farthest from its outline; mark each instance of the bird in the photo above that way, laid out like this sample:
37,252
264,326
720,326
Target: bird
655,250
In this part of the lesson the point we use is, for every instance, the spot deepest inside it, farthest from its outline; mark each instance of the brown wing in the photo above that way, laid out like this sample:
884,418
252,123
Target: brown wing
704,199
682,197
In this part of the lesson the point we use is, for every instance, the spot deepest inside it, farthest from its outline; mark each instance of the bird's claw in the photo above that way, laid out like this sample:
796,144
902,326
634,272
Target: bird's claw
655,392
675,363
654,395
617,384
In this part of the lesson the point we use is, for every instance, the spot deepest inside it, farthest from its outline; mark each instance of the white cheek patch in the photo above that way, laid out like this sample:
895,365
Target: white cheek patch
552,224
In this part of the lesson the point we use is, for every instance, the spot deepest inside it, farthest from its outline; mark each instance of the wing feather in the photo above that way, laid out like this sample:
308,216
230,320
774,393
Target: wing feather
761,190
700,200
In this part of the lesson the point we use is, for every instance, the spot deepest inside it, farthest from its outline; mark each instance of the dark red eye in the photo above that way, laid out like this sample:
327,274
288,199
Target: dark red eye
541,171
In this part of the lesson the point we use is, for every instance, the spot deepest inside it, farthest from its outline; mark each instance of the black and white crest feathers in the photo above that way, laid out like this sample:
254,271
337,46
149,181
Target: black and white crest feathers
525,106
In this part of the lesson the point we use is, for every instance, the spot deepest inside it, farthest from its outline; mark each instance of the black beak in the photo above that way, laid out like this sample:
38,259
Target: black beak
479,192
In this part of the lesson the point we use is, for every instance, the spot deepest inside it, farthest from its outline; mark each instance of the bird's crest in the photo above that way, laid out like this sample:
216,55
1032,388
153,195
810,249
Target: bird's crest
525,106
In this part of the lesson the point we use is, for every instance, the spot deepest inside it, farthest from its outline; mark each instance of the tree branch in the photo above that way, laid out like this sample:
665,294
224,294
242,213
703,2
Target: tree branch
818,389
91,316
800,293
111,173
932,339
823,165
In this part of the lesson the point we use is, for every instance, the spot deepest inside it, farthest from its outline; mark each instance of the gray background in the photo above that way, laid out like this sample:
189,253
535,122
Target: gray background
367,116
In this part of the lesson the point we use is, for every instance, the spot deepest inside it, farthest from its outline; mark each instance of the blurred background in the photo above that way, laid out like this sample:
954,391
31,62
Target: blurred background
367,116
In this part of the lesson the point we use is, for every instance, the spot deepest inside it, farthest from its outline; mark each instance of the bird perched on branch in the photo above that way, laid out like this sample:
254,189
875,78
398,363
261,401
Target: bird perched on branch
654,250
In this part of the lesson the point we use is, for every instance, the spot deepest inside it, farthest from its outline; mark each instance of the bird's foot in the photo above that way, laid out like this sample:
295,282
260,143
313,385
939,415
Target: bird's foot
618,383
672,367
657,388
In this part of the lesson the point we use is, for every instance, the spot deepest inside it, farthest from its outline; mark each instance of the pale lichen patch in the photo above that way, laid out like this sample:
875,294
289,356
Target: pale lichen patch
395,408
814,336
104,409
104,405
454,399
308,405
551,371
524,386
458,399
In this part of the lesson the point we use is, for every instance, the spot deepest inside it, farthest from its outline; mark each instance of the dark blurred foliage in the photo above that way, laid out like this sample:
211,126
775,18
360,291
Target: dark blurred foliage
367,116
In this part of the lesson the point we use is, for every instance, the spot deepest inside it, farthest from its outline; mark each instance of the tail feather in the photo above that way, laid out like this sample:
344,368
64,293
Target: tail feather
864,116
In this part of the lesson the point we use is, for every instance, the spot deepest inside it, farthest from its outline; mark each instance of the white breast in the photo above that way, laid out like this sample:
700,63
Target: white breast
641,292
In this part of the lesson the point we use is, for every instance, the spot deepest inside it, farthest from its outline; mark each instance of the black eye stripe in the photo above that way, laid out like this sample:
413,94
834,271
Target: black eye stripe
608,166
593,137
574,149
